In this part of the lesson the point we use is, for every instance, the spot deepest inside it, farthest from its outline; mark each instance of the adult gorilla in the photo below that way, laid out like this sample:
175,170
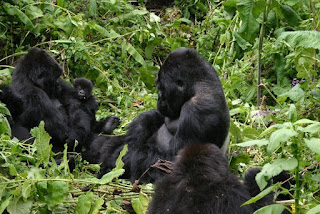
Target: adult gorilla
191,108
35,78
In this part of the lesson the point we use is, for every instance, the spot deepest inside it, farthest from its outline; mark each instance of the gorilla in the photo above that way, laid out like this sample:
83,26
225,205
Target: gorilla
14,103
200,182
35,78
81,109
191,108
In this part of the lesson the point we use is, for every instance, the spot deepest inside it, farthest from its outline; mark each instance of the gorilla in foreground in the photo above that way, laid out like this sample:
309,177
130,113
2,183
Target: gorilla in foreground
35,78
201,182
191,108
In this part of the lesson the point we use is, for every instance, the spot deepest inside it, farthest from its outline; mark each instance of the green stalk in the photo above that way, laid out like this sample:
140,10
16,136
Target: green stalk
261,36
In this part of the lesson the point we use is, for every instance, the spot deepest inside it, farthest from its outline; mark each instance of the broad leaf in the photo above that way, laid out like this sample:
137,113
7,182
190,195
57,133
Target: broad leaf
273,208
278,137
305,39
313,144
314,210
261,142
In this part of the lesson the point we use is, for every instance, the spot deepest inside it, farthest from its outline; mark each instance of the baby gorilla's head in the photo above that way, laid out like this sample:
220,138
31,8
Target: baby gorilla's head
83,88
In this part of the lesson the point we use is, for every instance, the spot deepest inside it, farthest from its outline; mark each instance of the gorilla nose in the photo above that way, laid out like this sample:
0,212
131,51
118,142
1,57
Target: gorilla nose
81,93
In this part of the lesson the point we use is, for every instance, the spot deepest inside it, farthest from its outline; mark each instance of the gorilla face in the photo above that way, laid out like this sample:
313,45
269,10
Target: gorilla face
83,88
173,88
42,69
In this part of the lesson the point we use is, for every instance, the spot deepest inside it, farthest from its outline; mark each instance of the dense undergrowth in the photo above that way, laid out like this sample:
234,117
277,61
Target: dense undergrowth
265,51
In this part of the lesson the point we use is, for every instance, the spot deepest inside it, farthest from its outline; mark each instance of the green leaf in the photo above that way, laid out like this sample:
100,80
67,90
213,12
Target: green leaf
26,189
84,203
270,170
261,142
244,45
140,204
280,136
107,178
5,203
18,206
304,121
34,12
290,15
97,205
273,208
56,192
133,52
154,18
92,10
313,144
295,94
313,128
292,114
249,10
314,210
260,195
305,39
42,139
14,11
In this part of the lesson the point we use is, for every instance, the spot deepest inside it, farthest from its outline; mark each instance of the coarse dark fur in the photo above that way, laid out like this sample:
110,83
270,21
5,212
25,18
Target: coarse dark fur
200,182
81,108
14,103
35,78
191,108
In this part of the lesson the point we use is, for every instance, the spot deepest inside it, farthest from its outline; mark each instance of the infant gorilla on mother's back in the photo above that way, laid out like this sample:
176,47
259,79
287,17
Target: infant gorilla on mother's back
191,108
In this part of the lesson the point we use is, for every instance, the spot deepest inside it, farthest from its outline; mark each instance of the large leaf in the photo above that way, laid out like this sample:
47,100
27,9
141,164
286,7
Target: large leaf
249,10
278,137
84,203
273,208
261,142
14,11
314,210
305,39
56,192
313,144
133,52
270,170
42,139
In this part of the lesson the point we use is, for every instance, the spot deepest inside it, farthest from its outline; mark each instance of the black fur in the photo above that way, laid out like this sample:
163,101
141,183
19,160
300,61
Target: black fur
14,104
200,182
35,78
191,108
81,108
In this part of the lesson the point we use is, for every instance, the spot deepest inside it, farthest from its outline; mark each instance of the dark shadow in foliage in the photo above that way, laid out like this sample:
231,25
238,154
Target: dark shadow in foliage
191,108
200,182
35,78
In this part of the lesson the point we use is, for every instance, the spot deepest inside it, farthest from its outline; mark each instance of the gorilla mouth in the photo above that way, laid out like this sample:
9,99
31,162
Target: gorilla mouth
82,97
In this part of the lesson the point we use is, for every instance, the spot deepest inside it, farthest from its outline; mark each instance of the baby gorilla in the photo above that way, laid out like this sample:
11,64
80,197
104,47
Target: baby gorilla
200,182
82,107
83,88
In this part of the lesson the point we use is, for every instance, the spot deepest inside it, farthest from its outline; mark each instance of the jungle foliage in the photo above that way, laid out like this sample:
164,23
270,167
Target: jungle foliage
265,51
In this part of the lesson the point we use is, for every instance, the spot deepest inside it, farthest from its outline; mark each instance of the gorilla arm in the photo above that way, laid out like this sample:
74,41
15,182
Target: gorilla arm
40,107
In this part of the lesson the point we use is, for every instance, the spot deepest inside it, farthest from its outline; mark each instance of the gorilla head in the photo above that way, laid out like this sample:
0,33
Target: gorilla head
41,69
178,80
83,88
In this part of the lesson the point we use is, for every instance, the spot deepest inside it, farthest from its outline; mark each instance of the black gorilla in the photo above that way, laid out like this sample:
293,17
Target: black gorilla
191,108
35,78
200,182
81,108
14,104
83,89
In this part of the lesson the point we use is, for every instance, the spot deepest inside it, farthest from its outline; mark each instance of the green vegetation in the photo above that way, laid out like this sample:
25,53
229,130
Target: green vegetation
258,47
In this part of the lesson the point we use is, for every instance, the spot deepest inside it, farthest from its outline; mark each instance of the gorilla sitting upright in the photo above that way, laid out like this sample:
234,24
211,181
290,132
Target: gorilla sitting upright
191,108
35,78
